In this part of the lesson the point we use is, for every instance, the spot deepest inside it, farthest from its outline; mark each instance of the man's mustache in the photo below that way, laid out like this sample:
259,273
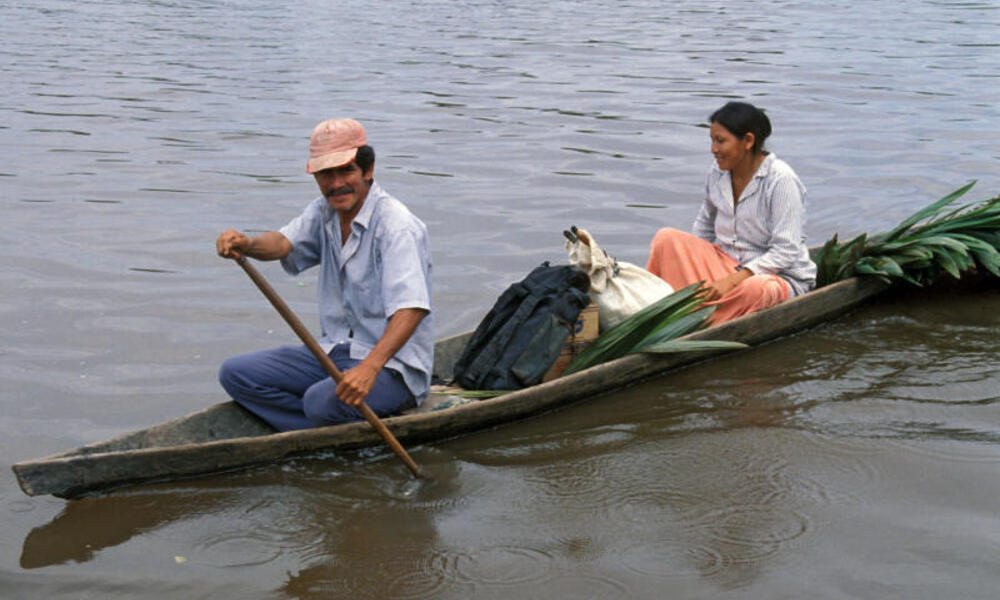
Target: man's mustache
340,191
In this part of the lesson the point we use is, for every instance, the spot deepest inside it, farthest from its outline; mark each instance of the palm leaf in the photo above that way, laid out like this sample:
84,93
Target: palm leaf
989,260
930,242
828,260
927,211
677,327
671,346
668,316
949,261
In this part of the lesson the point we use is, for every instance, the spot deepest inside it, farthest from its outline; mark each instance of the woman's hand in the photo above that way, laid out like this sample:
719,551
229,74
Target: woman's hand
720,287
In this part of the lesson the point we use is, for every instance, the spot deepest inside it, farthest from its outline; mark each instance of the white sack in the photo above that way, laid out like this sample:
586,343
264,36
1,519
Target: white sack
619,289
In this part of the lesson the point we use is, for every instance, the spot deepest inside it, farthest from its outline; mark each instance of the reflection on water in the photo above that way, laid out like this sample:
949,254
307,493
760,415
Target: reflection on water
88,526
785,458
860,457
709,477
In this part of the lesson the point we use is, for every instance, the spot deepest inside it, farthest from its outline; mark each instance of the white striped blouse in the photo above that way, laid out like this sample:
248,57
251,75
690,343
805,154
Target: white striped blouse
764,231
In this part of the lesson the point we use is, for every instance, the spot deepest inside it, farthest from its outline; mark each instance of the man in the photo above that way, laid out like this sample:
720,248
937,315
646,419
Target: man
374,296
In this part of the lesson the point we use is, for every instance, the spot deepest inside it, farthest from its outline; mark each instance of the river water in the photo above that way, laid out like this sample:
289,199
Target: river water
857,460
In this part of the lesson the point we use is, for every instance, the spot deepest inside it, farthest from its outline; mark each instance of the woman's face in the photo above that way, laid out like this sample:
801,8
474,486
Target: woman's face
728,149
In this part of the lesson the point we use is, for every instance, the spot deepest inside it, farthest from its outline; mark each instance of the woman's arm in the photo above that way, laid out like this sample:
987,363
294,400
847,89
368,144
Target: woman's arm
787,214
721,287
704,223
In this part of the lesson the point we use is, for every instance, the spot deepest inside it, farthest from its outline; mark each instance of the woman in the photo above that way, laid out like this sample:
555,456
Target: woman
748,243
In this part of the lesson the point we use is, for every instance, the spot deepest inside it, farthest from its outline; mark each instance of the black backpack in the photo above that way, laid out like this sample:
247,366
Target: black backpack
525,331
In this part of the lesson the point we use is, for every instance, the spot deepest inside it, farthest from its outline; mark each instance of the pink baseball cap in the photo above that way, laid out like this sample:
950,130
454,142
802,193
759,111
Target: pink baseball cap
334,143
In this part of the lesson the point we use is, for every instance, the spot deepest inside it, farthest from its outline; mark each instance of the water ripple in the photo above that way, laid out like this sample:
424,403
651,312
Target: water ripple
504,566
235,550
758,526
429,577
583,586
672,559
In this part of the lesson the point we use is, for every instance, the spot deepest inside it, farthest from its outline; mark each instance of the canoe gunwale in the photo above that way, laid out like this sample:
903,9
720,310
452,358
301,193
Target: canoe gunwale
86,470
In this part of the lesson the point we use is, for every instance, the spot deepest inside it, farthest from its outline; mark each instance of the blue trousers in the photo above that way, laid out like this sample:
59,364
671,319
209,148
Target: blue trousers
288,388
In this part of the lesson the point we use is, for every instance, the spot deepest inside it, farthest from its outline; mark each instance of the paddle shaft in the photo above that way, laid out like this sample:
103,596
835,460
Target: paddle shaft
328,366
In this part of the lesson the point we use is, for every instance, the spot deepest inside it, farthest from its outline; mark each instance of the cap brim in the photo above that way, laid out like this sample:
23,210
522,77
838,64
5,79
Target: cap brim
328,161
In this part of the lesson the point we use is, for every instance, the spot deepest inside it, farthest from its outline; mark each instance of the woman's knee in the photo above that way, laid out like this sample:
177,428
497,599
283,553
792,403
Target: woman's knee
663,249
777,290
765,290
666,235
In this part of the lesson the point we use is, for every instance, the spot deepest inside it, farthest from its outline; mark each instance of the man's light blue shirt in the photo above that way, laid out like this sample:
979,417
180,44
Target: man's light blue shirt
384,266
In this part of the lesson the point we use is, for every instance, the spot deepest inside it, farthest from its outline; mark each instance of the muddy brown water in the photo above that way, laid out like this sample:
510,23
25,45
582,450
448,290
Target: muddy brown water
856,460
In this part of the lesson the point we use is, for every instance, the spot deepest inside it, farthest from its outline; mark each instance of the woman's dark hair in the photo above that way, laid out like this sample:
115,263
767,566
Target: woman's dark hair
365,158
741,118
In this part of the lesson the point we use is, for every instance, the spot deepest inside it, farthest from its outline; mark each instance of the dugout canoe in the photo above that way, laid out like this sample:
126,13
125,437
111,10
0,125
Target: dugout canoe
225,437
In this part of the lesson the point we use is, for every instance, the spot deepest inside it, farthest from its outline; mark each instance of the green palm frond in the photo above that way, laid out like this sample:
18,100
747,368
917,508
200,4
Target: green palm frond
927,212
671,317
933,241
691,346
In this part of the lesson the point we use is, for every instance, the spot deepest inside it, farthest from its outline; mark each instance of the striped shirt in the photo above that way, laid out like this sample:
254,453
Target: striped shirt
764,230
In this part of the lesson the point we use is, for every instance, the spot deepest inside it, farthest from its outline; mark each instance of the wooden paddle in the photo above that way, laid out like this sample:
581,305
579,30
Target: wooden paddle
324,360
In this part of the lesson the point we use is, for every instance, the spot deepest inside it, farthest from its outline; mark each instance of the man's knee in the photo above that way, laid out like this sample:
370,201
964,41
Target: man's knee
231,373
321,405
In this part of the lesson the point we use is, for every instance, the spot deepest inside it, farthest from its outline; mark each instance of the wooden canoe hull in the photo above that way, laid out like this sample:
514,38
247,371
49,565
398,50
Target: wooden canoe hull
226,437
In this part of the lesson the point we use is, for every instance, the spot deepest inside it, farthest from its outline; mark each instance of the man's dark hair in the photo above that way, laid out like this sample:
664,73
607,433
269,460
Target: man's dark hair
741,118
365,158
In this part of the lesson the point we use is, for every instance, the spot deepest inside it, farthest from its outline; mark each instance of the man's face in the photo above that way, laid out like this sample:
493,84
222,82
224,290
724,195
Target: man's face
344,187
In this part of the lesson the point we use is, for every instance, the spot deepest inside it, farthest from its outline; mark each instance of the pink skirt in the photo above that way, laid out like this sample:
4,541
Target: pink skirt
680,259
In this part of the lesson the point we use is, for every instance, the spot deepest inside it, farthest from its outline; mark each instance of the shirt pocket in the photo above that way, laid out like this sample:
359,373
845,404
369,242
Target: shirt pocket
372,303
367,283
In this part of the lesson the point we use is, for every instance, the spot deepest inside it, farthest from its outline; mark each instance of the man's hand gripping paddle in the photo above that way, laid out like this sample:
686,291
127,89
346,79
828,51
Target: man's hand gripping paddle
314,347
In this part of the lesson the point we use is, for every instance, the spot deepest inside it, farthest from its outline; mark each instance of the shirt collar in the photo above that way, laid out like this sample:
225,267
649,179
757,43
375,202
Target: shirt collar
763,171
364,216
765,167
